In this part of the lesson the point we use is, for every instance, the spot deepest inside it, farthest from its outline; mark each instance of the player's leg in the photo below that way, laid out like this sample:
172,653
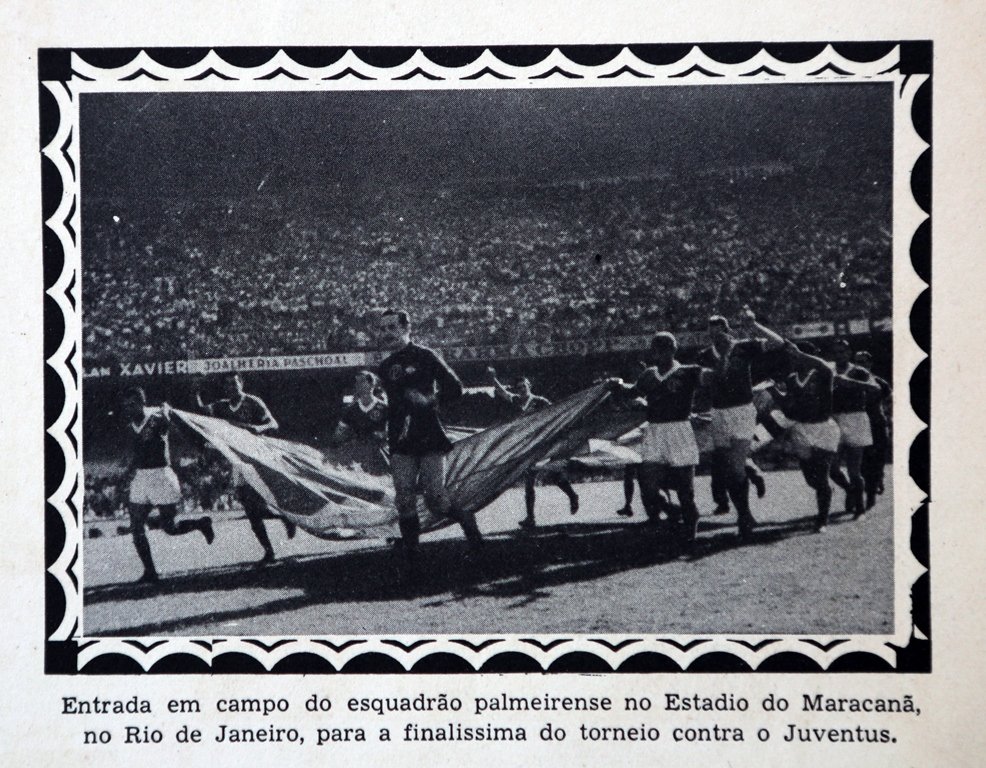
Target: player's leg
854,495
817,468
717,472
255,510
138,531
562,480
871,471
683,481
836,474
432,477
650,477
881,448
169,513
530,497
629,475
405,470
289,527
755,476
737,484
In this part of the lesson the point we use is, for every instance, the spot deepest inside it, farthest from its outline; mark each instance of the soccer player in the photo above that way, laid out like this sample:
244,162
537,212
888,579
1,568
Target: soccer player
668,451
153,482
702,424
523,401
875,456
250,413
417,380
363,423
734,418
852,389
806,399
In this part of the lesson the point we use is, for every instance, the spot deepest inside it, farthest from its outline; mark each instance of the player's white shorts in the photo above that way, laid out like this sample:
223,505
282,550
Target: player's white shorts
703,434
156,487
855,429
732,424
672,444
802,438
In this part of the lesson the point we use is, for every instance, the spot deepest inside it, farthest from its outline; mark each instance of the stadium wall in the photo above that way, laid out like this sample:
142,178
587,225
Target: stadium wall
307,402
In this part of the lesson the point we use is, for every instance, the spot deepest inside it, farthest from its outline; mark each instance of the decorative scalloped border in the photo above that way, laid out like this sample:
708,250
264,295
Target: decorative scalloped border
66,74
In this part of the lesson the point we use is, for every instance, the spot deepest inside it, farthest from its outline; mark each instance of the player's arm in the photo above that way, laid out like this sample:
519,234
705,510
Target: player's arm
773,339
342,433
885,389
499,390
630,392
449,384
200,405
813,362
267,422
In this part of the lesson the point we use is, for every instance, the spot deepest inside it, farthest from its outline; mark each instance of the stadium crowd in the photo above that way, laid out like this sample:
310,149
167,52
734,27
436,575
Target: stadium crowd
495,264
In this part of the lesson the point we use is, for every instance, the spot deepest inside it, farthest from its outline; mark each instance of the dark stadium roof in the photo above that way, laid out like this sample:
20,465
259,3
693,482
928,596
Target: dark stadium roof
165,145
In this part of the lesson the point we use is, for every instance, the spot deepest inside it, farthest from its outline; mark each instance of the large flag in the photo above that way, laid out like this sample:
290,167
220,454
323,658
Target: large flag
299,483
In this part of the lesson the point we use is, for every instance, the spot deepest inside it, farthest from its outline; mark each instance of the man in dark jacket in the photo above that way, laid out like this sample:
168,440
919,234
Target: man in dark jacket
417,380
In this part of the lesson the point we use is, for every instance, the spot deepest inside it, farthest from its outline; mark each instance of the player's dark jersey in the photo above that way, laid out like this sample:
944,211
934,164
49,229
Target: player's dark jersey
732,383
847,398
809,399
150,442
875,404
669,396
366,422
417,430
251,410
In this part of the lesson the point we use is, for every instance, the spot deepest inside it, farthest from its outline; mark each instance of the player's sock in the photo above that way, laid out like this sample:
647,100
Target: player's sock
205,525
757,481
823,496
410,532
855,493
739,494
839,478
290,528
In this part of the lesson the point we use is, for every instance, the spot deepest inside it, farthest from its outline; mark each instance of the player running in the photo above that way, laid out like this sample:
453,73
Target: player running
417,380
523,401
362,427
734,418
250,413
668,451
852,388
806,399
875,456
153,482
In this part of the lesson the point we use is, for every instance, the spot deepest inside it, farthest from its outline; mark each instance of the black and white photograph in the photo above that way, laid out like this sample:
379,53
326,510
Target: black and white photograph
492,384
579,355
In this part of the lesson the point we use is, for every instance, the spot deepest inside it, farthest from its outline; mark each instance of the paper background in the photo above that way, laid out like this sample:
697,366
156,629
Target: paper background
949,730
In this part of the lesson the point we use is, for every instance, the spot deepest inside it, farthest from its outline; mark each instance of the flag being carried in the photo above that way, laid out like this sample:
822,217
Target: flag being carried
298,483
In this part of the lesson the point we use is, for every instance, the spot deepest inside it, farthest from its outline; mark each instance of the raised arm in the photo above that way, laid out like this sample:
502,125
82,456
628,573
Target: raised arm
498,388
867,385
200,405
814,362
774,339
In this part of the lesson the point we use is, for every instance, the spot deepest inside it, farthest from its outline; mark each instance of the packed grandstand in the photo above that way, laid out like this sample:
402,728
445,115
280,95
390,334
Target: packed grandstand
482,264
